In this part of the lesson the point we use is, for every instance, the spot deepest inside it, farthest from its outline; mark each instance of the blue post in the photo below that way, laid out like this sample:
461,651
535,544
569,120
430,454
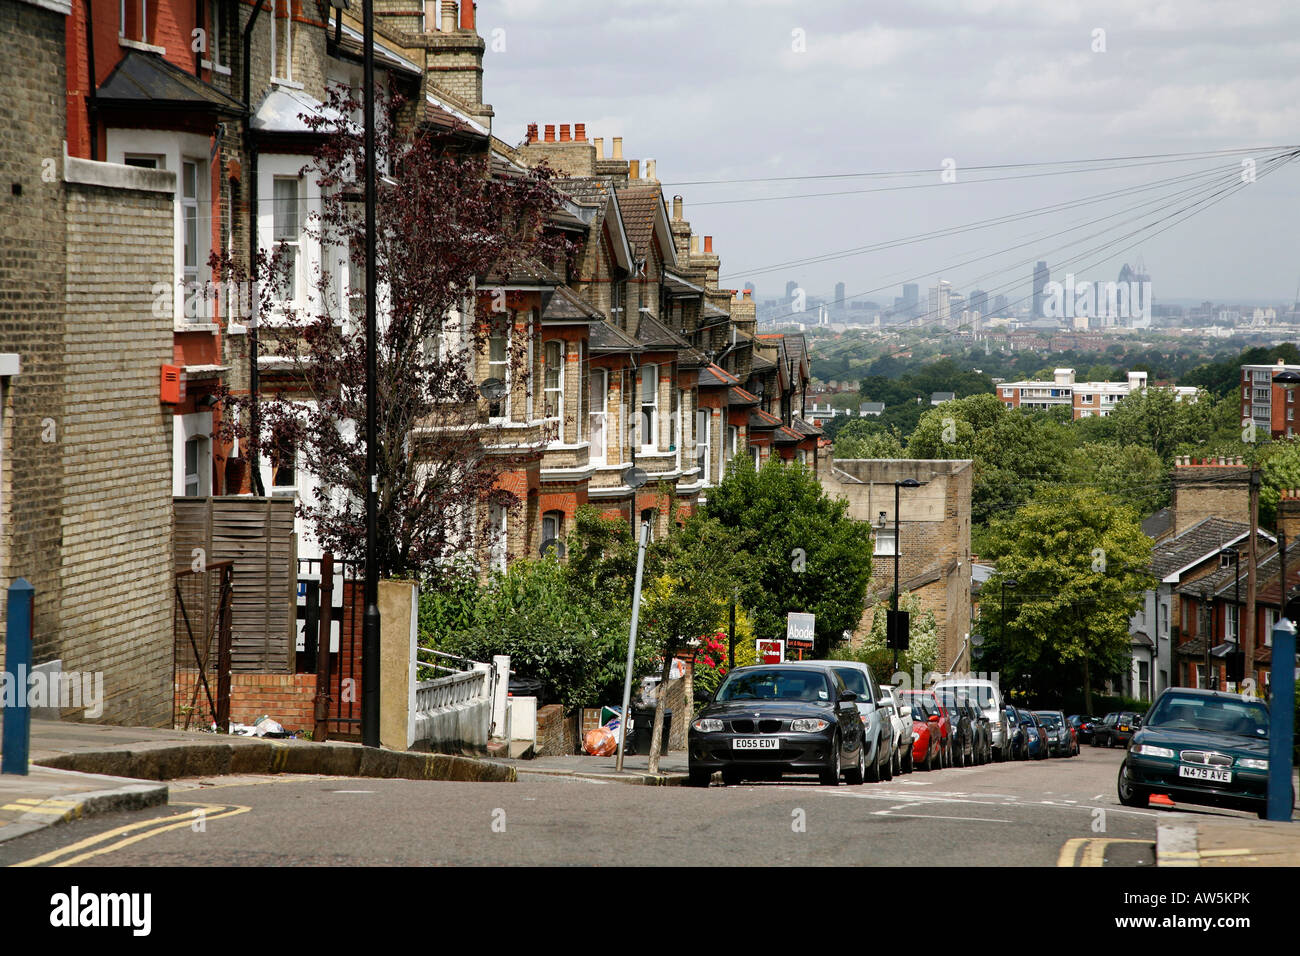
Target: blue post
1281,721
17,739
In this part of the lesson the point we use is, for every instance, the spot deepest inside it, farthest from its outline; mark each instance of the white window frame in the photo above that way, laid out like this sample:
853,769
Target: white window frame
143,7
1232,623
553,368
500,368
498,537
598,382
296,244
703,421
187,428
195,206
555,518
643,377
277,62
282,490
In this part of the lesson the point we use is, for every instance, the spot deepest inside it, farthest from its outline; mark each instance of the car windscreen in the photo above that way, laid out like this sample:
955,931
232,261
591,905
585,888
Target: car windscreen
1049,720
1242,718
981,695
921,708
855,681
775,684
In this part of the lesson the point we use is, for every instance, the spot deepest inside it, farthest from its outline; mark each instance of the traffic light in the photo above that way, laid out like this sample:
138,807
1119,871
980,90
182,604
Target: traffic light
1236,662
897,629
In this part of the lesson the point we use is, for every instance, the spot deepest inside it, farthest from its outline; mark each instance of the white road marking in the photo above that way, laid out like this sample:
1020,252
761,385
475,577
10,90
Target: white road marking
352,791
935,816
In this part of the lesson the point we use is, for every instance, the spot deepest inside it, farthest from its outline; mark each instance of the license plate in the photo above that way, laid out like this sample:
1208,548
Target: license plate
1212,774
756,743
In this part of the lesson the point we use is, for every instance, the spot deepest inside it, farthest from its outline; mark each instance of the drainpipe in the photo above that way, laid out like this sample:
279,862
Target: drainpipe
92,115
254,383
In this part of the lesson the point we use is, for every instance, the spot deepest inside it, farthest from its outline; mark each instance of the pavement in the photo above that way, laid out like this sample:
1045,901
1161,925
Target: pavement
79,770
1190,840
636,770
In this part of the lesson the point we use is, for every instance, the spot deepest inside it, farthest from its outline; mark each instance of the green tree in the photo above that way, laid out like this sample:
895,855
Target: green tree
1157,419
1281,471
922,640
1130,473
807,554
1079,559
861,438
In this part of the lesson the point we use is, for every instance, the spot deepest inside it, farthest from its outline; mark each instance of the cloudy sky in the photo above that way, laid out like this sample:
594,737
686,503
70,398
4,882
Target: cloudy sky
751,89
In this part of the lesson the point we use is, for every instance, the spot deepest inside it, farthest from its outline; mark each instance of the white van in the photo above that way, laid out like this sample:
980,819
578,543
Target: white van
985,694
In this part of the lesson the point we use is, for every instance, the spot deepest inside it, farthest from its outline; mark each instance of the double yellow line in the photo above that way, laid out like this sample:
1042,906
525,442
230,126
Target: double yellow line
1094,850
108,841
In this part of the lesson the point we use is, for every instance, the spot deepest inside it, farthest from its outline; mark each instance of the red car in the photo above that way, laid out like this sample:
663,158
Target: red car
931,746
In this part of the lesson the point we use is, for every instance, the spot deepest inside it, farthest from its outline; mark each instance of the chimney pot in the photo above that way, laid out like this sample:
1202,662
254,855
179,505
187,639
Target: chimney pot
650,169
600,147
695,245
749,293
634,169
467,14
708,245
677,208
532,132
564,132
550,132
618,147
580,132
448,16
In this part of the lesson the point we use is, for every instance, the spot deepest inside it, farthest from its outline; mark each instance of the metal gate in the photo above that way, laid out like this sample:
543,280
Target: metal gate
339,712
201,646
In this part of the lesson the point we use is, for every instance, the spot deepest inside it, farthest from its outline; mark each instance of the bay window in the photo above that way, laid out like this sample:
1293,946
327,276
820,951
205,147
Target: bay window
649,409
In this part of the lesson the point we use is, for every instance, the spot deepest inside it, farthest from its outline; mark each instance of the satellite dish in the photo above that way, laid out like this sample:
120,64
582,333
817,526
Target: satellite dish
552,544
635,477
977,640
493,389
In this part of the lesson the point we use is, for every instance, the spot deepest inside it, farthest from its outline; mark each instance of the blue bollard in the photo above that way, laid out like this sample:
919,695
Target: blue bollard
17,739
1281,721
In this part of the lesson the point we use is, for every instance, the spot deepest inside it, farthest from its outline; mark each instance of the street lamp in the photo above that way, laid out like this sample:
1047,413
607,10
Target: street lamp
1002,621
905,483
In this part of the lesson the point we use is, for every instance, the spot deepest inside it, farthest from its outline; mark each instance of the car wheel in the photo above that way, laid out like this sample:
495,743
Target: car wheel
907,761
830,777
888,771
859,773
700,778
731,777
873,772
1130,794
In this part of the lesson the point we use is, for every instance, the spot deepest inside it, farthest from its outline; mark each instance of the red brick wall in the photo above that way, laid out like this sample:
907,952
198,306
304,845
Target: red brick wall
287,698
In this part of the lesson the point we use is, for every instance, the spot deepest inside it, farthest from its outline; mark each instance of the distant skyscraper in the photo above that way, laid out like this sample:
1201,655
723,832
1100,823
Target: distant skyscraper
979,302
1000,304
940,311
1042,276
839,294
911,293
789,289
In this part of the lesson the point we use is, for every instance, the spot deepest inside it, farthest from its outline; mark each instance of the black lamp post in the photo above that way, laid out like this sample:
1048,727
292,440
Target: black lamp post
893,604
1002,621
370,626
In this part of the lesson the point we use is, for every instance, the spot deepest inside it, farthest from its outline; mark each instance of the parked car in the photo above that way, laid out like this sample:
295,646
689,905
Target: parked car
1060,738
935,711
1036,735
986,696
927,742
903,726
766,720
877,723
963,733
983,732
1083,726
1121,731
1103,728
1203,747
1019,738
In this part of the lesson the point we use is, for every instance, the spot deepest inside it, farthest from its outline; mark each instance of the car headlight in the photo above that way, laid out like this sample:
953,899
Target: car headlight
1252,763
1150,750
808,725
707,725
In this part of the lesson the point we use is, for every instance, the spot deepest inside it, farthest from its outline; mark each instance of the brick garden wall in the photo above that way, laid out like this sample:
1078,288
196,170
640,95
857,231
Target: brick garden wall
287,698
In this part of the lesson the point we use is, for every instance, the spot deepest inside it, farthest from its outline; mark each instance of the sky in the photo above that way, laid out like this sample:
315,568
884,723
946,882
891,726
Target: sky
747,89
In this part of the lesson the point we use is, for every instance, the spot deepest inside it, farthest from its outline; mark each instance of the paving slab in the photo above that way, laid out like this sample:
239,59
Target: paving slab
673,768
46,796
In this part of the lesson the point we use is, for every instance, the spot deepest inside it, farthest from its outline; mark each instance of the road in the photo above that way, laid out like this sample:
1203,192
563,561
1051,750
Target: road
1043,813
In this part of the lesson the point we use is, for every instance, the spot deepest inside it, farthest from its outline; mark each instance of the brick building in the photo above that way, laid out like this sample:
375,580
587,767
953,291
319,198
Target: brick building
934,528
1270,406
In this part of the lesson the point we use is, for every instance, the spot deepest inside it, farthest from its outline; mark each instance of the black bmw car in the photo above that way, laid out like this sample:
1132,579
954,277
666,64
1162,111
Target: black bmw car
770,719
1200,746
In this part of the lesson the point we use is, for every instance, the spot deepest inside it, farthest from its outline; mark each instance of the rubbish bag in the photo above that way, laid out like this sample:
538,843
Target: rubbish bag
264,726
601,741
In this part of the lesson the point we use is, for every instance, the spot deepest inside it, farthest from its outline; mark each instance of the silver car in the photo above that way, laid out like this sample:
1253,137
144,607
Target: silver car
874,707
904,735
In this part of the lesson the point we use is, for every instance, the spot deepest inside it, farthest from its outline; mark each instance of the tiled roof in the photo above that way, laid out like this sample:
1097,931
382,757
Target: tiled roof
1197,543
584,189
692,358
564,305
653,334
803,427
638,205
147,81
761,364
798,348
716,375
1196,647
1158,524
711,315
607,337
763,420
786,436
738,396
524,272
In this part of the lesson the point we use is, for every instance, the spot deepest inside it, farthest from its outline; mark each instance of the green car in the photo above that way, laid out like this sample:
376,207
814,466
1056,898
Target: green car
1200,746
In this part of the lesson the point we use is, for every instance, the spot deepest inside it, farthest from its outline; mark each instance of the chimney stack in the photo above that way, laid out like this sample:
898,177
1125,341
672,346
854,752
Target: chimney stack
532,132
600,147
618,148
550,132
1288,513
633,169
467,11
580,132
677,208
